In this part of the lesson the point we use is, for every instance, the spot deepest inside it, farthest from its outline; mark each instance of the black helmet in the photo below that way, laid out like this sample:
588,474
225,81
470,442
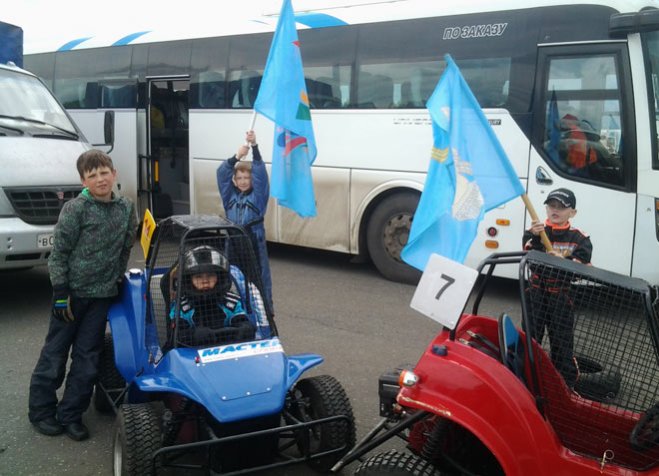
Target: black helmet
206,259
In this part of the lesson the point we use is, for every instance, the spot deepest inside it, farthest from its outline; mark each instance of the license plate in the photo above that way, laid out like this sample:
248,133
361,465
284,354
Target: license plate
45,241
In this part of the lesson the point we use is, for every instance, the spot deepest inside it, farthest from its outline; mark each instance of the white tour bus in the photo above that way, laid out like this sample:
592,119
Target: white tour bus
570,89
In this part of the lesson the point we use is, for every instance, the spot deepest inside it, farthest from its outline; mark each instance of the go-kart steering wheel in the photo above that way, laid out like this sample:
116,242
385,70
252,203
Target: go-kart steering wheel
645,434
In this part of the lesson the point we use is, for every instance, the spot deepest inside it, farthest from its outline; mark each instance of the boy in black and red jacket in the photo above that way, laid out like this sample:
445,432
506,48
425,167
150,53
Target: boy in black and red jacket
557,309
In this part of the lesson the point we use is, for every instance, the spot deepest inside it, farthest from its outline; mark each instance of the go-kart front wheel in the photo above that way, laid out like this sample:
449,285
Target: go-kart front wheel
322,397
137,436
394,463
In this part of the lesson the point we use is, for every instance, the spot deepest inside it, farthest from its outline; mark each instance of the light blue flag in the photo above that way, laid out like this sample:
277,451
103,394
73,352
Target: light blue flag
469,174
283,99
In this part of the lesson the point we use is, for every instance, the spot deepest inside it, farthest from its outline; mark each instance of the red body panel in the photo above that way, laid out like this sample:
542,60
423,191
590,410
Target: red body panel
479,393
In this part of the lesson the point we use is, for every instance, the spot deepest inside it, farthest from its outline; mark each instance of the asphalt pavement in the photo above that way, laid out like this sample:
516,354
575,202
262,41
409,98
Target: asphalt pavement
325,303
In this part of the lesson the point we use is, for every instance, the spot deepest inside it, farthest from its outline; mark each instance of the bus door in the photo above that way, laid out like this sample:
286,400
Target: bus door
584,138
165,171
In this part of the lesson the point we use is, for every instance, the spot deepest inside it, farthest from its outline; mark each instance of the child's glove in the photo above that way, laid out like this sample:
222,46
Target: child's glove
62,304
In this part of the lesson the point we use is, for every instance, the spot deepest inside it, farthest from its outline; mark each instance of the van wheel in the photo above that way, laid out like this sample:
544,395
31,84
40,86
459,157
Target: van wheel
137,436
396,464
109,377
322,397
387,233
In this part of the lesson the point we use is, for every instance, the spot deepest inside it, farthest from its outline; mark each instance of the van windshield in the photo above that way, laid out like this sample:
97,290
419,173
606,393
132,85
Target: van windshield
25,98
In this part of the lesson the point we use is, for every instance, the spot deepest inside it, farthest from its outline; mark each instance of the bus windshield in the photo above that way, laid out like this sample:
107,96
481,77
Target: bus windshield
25,98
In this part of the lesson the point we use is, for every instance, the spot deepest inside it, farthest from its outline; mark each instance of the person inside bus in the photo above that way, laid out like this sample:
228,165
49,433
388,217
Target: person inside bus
210,312
245,190
580,140
556,312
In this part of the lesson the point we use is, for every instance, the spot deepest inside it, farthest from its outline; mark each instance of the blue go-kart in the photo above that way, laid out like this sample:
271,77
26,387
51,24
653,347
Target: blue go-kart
196,373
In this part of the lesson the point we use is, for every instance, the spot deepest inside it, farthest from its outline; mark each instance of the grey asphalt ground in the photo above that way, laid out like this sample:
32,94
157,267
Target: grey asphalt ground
326,303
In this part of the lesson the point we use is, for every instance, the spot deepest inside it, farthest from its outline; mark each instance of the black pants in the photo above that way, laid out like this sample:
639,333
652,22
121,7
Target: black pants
84,337
557,315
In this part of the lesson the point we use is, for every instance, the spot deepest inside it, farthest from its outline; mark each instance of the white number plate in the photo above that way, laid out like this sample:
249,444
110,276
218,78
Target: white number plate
45,241
443,290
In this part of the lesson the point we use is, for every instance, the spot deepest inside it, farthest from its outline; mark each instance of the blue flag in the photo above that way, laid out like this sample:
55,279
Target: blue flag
283,99
469,174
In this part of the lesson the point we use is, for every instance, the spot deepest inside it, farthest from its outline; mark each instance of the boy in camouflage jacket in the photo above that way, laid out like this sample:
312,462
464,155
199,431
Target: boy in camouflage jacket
93,238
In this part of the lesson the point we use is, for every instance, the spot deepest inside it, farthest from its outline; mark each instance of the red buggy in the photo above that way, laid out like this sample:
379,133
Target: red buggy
487,398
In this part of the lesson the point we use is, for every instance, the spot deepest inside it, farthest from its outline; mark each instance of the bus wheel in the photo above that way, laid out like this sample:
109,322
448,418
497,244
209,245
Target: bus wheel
387,233
396,464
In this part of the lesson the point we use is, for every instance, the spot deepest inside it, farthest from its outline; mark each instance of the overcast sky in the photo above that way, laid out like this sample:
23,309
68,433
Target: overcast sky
49,24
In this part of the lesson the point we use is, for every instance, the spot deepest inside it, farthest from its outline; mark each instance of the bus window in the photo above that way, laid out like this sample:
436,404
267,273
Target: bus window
169,58
488,79
208,87
583,133
76,83
328,55
410,84
211,90
374,90
328,87
118,94
243,88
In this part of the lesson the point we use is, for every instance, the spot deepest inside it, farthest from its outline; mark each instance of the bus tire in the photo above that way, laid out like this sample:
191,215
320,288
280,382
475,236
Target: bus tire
387,233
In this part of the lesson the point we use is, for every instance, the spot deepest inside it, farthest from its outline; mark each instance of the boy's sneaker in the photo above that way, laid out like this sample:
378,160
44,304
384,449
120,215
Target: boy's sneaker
48,426
76,431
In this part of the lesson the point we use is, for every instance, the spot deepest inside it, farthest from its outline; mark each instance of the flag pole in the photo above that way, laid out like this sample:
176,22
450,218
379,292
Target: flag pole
534,217
251,124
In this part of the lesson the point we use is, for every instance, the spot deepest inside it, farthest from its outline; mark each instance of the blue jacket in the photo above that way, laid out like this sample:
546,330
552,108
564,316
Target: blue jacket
248,210
243,299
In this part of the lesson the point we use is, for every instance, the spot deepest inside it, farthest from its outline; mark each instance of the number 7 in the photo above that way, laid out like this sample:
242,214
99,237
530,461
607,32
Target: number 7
449,281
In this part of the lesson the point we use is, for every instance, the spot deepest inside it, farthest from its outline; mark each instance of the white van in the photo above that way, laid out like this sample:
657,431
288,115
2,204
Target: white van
39,146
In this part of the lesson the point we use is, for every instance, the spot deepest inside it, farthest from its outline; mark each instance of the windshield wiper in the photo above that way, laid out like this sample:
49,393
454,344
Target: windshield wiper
42,123
14,129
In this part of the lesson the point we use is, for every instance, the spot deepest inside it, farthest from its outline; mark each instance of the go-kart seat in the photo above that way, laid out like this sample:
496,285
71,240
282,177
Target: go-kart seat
511,346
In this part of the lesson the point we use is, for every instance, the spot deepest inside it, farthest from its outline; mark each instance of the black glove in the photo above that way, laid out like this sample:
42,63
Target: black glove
62,304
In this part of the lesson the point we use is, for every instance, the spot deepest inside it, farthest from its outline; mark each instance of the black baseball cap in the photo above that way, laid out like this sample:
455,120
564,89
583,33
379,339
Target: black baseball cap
563,195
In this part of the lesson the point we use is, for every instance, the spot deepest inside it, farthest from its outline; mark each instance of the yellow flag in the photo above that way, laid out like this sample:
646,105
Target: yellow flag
148,227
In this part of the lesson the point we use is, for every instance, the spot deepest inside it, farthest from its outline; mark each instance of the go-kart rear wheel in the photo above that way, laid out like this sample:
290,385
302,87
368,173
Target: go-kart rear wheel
396,464
137,435
321,397
109,377
595,382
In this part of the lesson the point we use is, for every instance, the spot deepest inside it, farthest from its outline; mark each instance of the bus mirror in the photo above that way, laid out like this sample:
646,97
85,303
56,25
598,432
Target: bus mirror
108,128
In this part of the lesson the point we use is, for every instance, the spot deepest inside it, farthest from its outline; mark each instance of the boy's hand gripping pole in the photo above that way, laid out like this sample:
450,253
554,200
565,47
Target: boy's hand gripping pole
251,124
534,217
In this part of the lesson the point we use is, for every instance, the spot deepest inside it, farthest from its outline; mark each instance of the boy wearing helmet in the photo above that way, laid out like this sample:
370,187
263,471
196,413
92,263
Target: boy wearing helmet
210,311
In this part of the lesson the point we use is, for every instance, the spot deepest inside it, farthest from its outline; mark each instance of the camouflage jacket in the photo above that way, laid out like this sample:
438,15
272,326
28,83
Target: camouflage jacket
92,245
